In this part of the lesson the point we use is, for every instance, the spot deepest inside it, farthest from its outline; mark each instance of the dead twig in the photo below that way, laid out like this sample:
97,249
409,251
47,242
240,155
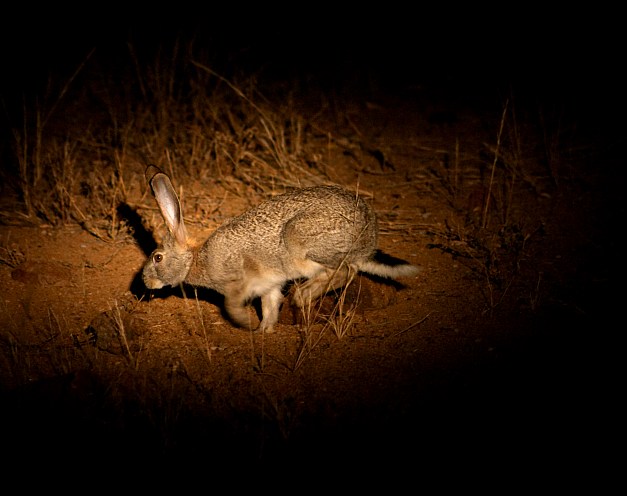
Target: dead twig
410,327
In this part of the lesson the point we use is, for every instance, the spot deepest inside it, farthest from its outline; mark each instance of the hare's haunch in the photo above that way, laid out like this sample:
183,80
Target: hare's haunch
321,234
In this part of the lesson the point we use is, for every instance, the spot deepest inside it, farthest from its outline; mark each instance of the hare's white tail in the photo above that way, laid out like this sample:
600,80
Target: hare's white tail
391,271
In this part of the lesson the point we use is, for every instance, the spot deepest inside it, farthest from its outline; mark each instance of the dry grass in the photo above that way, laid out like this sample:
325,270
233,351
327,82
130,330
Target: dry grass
224,139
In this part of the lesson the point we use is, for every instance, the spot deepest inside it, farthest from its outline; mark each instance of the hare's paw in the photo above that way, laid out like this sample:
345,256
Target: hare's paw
266,327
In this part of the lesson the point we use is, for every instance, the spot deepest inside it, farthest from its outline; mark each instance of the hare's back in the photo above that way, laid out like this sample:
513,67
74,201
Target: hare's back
318,202
322,223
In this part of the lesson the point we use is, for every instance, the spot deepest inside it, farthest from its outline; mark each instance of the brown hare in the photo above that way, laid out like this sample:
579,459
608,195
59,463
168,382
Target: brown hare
322,235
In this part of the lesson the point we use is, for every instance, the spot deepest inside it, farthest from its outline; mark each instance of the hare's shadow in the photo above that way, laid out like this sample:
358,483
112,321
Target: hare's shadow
147,243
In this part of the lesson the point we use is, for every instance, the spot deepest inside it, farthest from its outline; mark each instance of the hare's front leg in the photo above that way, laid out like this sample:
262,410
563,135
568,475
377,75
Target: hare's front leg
238,311
270,306
236,303
237,299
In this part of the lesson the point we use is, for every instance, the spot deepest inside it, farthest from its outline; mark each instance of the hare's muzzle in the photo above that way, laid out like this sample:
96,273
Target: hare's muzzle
152,282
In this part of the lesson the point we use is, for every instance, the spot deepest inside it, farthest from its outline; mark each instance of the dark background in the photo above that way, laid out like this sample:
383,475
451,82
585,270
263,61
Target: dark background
571,59
554,54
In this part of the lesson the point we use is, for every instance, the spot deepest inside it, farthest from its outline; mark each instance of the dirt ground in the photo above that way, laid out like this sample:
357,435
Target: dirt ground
504,366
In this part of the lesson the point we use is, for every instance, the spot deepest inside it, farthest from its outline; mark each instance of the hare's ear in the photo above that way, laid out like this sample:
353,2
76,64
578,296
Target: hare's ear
168,203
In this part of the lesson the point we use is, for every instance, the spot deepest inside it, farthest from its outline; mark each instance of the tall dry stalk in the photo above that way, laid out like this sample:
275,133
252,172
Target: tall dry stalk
484,218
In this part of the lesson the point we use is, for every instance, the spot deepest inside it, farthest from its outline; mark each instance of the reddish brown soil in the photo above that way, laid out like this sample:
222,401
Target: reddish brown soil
465,364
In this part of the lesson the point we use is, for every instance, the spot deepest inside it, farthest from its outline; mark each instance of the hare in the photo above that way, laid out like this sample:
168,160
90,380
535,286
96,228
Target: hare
322,235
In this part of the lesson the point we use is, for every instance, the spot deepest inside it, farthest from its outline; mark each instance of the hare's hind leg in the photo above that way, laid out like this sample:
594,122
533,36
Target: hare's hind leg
325,281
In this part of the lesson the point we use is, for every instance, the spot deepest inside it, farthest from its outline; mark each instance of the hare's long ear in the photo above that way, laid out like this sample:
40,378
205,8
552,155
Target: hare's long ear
168,202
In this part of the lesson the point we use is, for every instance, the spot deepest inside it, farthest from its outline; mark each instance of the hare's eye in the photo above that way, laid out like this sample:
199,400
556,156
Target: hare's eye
157,257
